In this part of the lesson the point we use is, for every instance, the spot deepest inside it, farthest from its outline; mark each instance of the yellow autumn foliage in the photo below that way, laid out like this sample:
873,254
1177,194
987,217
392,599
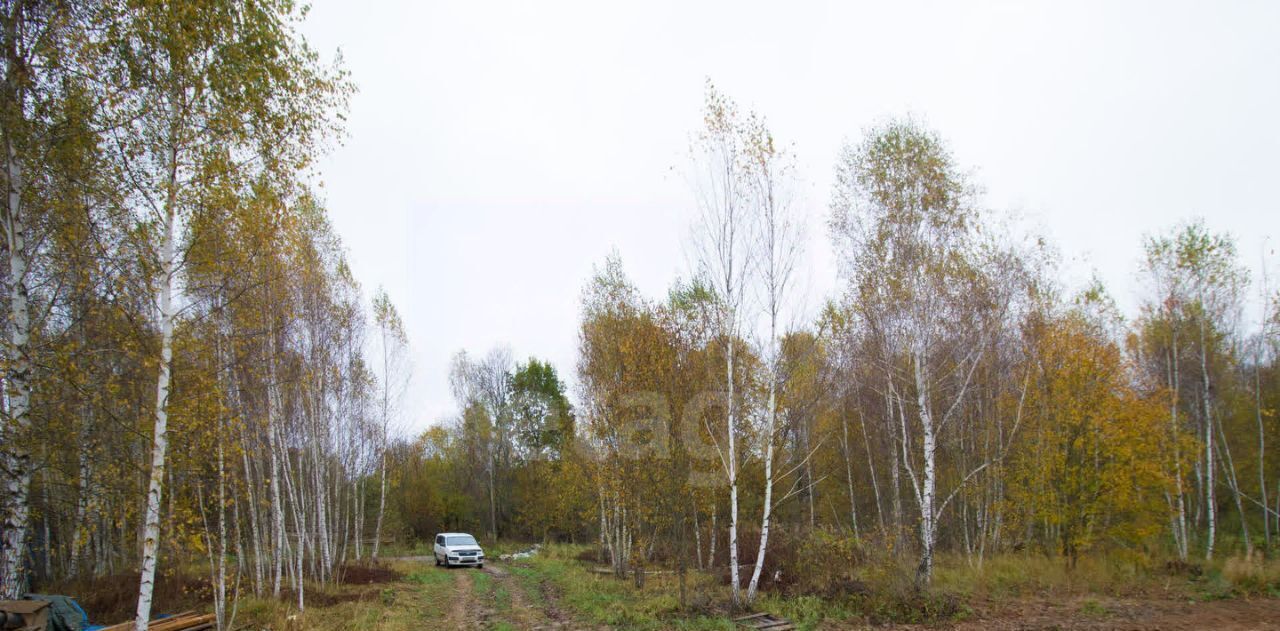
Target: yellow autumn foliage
1091,472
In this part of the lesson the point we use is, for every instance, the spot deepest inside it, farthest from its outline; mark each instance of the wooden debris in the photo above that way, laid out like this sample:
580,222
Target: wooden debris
24,615
764,622
187,621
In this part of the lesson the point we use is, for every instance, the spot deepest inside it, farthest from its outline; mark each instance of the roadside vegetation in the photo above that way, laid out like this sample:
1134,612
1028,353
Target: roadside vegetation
561,585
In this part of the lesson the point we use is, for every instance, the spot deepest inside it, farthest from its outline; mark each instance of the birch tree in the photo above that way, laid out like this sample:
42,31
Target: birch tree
16,129
903,221
216,88
47,114
392,347
721,242
767,171
1201,283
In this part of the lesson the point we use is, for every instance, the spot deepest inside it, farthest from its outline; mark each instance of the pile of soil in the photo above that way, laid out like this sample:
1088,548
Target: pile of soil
367,574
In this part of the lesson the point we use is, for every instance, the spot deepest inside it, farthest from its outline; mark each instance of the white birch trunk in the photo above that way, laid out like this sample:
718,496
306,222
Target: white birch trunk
711,553
358,508
929,446
17,461
733,481
1262,445
848,471
768,491
298,510
80,528
151,527
1210,497
382,503
871,469
220,585
1180,525
382,462
254,529
493,501
604,527
277,503
697,536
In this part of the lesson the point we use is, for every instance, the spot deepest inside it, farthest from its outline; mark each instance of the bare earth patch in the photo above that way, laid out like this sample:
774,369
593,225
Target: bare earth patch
523,614
463,613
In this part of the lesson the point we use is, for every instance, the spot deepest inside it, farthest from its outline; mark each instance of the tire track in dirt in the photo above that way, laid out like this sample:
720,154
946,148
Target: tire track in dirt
551,598
463,612
524,614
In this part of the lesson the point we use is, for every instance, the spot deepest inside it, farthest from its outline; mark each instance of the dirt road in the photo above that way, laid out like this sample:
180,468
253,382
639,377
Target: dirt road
499,596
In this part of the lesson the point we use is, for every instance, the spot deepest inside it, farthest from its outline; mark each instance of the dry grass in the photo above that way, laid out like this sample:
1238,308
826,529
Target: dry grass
558,586
1253,575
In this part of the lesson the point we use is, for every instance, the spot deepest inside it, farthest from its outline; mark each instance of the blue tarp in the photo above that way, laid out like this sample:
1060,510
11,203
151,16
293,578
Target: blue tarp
65,613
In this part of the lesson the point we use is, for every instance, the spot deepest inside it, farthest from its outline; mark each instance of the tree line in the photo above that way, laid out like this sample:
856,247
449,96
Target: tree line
190,370
955,395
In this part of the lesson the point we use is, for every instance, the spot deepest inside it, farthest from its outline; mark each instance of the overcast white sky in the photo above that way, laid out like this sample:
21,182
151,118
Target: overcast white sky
497,151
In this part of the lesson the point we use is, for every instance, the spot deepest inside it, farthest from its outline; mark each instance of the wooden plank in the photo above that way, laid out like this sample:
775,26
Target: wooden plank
764,622
23,606
182,622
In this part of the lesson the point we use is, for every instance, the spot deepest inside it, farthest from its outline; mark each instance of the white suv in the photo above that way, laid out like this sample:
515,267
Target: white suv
458,548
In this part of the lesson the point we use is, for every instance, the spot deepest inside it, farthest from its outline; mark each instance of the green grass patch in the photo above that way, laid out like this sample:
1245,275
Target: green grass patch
432,577
1092,607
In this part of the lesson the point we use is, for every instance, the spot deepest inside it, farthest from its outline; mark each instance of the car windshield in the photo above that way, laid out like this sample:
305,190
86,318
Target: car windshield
464,540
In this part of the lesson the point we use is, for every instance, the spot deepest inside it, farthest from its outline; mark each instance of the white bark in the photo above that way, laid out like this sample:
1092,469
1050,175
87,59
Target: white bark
220,565
721,199
697,536
382,449
80,528
382,502
733,482
768,491
358,501
493,501
928,448
711,552
277,502
1211,506
848,472
151,525
777,253
871,470
255,530
16,459
1262,450
1257,401
1180,525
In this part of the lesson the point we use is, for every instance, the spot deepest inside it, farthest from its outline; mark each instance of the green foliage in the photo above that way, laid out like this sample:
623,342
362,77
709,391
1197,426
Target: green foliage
543,417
